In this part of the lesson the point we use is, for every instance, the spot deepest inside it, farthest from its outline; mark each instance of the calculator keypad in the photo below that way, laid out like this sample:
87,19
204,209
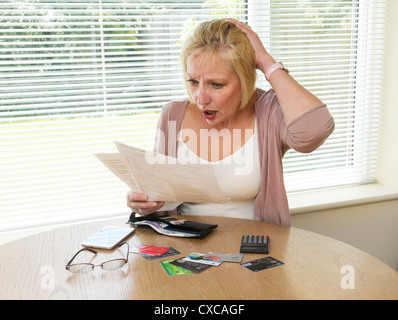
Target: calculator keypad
254,244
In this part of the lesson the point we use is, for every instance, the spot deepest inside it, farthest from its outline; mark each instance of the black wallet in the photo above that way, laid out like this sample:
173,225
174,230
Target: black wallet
171,226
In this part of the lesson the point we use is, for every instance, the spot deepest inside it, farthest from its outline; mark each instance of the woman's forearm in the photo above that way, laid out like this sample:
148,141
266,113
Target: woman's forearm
293,98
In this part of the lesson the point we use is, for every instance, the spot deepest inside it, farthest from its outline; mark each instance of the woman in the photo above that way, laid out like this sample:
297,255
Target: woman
232,121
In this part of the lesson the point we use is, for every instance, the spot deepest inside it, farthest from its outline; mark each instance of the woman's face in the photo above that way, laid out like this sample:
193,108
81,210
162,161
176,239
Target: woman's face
215,88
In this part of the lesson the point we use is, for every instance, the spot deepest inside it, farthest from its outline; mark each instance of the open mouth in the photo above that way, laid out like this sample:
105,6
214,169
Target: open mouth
209,114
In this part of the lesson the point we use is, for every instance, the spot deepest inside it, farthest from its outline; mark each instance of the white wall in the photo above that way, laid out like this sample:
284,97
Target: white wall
372,227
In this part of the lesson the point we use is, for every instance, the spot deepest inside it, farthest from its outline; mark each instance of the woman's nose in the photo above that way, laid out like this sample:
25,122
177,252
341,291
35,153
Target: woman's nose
202,97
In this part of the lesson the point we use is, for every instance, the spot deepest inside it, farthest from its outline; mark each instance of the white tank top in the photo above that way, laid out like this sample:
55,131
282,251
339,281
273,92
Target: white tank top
238,176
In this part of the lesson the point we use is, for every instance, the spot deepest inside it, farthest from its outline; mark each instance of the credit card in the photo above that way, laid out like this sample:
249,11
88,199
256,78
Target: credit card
262,264
173,270
153,250
228,257
170,252
191,266
198,257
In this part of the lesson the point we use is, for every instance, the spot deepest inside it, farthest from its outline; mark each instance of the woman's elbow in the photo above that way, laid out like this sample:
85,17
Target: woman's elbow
312,137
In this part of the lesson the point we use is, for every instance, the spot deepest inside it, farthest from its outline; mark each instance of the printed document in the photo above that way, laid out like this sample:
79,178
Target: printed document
161,177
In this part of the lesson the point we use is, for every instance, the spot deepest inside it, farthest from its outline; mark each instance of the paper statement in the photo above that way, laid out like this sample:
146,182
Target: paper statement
162,178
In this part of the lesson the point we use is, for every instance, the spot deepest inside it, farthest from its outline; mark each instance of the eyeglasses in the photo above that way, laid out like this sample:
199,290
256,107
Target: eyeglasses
108,265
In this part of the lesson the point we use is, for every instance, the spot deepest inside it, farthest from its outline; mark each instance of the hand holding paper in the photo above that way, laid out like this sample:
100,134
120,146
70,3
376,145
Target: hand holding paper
138,202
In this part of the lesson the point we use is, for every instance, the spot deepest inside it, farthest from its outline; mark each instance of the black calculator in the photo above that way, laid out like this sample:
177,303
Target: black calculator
254,244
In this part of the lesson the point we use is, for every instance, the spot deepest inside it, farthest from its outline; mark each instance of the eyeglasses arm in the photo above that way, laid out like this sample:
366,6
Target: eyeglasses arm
128,249
88,249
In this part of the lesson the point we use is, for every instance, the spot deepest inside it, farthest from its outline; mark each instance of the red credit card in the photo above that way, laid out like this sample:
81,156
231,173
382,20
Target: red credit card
152,250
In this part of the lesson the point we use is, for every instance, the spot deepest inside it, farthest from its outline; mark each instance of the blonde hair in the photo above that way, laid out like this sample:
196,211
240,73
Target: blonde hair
222,38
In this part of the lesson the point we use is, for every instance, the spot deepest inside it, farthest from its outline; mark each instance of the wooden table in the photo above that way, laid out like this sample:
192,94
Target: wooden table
314,267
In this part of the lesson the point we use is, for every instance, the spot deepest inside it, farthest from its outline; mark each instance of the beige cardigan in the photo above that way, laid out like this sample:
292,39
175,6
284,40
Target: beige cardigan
304,134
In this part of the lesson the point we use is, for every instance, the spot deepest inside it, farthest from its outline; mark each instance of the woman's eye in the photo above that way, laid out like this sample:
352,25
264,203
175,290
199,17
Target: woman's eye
192,82
217,85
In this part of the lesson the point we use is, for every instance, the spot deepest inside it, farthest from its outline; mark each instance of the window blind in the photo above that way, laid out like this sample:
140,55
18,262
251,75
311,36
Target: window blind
77,75
335,50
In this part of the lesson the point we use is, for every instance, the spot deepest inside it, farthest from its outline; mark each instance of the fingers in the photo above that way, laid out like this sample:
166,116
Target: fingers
250,34
136,196
242,26
138,202
262,57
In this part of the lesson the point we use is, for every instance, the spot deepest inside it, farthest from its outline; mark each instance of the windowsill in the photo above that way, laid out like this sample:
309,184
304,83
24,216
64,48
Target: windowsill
304,202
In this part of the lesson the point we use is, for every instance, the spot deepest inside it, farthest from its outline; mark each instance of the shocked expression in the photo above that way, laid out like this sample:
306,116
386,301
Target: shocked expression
214,88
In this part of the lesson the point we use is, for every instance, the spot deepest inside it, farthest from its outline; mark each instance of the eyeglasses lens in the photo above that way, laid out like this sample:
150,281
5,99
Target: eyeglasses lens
81,268
113,264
